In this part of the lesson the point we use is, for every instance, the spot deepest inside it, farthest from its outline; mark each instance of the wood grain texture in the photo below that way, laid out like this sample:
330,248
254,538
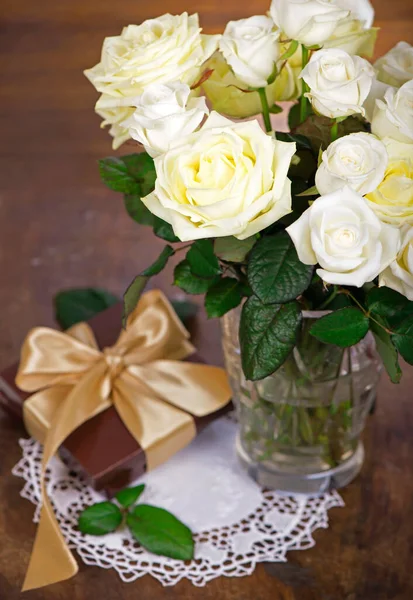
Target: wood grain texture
61,228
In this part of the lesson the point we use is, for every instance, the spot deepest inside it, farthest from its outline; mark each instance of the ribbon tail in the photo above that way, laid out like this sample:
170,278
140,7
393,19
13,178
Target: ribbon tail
51,560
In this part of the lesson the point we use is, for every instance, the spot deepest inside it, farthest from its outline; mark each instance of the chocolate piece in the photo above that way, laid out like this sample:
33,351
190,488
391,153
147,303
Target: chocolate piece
103,446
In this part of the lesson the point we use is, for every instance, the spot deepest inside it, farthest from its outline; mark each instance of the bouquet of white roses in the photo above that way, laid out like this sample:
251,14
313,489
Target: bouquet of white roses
317,219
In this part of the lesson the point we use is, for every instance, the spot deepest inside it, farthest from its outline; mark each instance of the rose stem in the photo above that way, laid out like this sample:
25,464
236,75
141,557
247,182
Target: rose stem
265,109
334,131
303,99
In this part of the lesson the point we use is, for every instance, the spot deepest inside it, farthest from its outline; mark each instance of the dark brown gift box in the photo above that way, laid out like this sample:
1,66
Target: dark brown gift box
103,446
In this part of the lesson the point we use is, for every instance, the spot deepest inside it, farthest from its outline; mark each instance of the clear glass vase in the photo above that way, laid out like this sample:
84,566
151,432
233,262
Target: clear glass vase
299,429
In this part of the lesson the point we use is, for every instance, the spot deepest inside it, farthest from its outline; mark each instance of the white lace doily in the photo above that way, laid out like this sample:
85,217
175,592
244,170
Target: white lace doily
237,525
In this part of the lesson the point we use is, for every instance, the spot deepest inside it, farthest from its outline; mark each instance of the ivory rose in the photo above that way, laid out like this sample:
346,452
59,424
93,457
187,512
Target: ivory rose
343,235
392,201
310,22
399,274
226,179
393,116
169,48
339,83
162,50
396,67
251,48
163,113
358,160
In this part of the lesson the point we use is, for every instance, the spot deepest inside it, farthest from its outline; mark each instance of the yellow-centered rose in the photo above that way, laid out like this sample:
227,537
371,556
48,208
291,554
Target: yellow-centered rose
226,179
392,201
399,274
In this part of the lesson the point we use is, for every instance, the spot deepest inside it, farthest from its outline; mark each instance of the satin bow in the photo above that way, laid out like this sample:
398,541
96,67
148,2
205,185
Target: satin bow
142,375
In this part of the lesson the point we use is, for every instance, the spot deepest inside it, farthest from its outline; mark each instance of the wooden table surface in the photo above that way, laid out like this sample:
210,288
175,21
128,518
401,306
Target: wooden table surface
61,228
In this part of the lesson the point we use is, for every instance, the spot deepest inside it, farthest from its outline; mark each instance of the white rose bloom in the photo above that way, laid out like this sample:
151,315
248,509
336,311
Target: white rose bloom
377,92
343,235
362,10
226,179
310,22
399,275
358,160
393,116
169,48
396,67
164,113
163,50
250,46
339,83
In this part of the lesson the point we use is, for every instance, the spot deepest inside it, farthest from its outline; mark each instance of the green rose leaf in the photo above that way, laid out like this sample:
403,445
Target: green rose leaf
317,129
130,174
275,273
129,496
138,211
268,334
389,304
160,262
202,259
160,532
190,283
132,295
387,350
223,296
74,306
164,230
344,327
403,339
100,519
232,250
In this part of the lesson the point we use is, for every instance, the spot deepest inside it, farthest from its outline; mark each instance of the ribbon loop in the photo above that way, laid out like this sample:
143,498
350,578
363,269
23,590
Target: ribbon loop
155,394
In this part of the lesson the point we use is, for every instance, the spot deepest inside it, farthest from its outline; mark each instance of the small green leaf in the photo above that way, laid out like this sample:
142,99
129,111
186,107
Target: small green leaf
138,211
233,250
129,496
223,296
160,262
344,327
389,304
100,519
267,335
387,351
190,283
275,109
74,306
312,191
164,230
132,295
130,174
202,259
160,532
292,48
294,116
275,273
403,339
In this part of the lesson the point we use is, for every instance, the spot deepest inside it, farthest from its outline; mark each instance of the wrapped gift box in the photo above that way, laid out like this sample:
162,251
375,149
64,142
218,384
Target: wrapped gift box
103,446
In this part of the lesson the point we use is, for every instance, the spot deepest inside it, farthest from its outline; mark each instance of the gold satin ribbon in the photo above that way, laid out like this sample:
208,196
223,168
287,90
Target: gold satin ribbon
142,375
